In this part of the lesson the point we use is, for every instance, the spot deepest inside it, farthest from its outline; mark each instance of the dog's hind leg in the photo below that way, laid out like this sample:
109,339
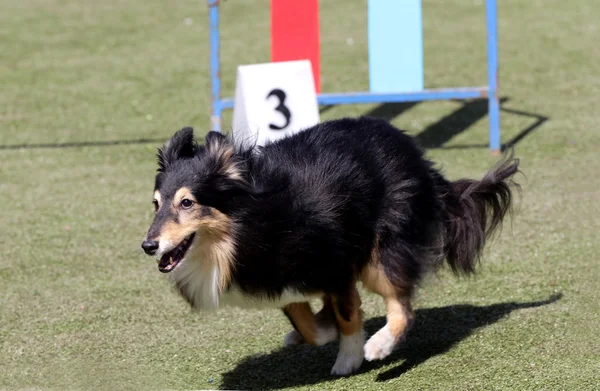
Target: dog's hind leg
352,338
399,313
309,328
399,320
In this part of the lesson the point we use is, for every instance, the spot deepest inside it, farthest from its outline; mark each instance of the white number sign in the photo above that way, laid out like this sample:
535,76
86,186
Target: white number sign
273,100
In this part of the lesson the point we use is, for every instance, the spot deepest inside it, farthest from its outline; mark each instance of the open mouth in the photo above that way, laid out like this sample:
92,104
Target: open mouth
170,260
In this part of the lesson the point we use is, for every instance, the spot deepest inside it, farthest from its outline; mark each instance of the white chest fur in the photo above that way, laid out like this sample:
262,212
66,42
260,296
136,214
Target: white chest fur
236,298
198,282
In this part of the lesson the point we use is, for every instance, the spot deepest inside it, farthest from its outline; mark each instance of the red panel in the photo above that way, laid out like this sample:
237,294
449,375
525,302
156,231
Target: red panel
295,33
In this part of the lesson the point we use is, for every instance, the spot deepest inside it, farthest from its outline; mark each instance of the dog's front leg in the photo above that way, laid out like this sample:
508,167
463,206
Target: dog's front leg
352,338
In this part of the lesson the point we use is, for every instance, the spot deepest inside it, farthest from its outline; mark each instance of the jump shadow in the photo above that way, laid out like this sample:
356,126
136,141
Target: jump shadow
439,133
436,135
435,331
325,108
389,111
539,120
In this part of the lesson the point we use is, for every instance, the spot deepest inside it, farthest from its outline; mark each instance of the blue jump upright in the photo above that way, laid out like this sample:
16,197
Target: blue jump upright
395,46
215,65
492,53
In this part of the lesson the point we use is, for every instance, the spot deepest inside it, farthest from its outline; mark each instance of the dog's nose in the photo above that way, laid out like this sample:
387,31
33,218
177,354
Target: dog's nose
150,246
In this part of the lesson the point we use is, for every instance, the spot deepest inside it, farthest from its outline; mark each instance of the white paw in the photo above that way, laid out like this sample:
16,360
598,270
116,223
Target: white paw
380,345
350,355
346,363
293,338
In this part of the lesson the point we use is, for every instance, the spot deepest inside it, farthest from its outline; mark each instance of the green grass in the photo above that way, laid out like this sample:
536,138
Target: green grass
82,308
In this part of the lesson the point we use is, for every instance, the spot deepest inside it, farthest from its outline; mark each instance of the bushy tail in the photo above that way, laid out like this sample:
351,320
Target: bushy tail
475,210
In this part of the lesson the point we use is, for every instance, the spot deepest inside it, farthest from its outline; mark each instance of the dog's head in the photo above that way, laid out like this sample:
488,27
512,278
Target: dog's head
193,195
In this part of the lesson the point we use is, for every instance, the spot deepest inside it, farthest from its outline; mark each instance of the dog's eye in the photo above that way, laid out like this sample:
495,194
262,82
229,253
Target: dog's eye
155,205
186,204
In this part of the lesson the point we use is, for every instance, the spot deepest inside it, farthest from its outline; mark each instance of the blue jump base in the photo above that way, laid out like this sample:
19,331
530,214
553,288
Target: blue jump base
490,91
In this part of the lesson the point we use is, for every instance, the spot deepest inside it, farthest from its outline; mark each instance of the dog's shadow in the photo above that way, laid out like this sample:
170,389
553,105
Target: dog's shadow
435,331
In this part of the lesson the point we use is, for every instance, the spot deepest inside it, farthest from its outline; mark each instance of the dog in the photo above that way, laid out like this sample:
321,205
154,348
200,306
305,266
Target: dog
309,216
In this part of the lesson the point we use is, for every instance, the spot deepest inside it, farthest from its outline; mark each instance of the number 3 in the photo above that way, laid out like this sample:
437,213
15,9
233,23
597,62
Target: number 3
281,107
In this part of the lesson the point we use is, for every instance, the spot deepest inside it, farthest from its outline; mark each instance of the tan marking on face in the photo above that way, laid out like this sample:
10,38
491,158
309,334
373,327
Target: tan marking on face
175,233
210,228
217,223
189,219
354,325
182,193
213,242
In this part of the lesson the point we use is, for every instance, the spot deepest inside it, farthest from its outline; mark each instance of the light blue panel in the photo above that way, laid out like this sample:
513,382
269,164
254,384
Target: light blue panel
395,45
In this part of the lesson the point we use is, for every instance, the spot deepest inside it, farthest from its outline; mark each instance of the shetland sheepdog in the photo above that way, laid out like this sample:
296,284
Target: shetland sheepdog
309,216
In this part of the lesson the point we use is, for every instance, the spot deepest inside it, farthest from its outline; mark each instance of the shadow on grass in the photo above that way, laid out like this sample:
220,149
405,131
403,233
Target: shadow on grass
389,111
439,133
435,331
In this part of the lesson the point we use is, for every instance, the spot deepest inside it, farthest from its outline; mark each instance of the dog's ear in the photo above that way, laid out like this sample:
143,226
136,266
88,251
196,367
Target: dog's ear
214,139
181,146
221,151
228,167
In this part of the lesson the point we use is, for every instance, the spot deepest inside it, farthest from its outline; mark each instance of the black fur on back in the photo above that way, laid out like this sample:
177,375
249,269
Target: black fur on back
307,211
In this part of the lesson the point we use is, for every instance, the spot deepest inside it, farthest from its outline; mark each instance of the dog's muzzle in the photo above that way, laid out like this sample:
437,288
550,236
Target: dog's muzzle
150,246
